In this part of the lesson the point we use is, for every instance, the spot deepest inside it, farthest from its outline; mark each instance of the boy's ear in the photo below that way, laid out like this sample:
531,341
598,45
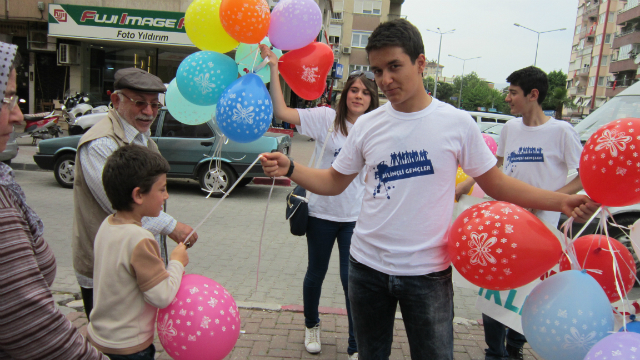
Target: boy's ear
533,95
422,63
136,196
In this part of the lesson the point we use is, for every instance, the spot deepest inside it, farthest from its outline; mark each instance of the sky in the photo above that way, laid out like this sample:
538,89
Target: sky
485,28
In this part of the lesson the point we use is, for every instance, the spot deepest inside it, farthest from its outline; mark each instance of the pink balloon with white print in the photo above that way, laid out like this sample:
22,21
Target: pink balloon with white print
490,143
202,322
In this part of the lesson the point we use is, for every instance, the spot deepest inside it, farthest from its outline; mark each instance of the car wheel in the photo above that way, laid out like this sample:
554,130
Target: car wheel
63,170
245,181
616,233
220,180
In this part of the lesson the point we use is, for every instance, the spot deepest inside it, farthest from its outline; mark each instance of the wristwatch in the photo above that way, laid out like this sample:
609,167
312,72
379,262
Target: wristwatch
288,174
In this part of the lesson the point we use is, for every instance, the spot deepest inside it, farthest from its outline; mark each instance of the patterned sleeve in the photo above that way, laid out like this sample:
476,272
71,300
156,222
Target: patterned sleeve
30,325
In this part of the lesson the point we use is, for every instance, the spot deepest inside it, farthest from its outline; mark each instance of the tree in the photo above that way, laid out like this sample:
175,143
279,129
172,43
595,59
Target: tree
557,95
445,90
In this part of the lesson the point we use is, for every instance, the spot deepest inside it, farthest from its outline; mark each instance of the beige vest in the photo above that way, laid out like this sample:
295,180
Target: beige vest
88,214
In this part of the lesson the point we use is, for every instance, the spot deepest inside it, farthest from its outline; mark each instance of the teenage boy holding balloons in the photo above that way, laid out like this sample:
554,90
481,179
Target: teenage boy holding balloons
540,151
411,148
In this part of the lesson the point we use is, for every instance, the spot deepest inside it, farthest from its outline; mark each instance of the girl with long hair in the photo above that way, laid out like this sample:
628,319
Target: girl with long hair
330,217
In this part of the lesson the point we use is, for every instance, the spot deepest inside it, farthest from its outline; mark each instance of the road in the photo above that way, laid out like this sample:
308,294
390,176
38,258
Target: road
229,241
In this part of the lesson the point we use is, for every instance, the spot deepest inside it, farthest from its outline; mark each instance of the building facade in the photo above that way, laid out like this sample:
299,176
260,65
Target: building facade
625,49
590,77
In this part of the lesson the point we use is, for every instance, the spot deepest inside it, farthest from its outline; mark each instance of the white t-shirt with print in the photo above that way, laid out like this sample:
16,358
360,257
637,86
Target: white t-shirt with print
411,160
345,207
540,156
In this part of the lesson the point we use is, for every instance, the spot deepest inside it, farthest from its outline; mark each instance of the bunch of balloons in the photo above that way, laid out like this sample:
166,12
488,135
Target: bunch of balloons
207,83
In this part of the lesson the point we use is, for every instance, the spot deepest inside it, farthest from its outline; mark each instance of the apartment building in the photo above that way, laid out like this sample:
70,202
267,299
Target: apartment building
589,78
430,69
625,49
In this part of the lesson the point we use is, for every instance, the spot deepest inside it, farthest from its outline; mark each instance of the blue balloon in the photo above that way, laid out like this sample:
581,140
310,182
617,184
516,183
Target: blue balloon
183,110
633,326
566,315
203,76
244,111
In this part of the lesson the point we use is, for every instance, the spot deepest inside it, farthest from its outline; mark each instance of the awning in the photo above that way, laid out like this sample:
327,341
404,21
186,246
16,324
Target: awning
586,102
577,100
600,101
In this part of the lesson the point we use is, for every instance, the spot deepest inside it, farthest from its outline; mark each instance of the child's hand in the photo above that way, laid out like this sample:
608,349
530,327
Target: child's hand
180,254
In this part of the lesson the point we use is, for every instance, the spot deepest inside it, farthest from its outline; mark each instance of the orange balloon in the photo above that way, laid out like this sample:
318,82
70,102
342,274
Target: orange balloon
246,21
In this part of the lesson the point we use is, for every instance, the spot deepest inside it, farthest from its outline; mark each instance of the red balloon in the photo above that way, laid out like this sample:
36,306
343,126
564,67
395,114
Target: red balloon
306,69
500,246
610,163
595,249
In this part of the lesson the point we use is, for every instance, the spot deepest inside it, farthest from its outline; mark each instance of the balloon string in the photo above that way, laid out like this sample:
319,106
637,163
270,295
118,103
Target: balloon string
615,266
254,61
264,222
249,54
221,199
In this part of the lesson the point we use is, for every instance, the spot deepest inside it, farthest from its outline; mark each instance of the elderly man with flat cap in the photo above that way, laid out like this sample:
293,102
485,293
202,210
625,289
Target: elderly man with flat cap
135,107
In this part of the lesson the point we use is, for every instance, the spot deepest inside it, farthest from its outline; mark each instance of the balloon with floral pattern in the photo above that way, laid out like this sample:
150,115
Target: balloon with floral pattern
203,76
204,28
244,111
618,346
610,163
246,21
294,24
500,246
201,323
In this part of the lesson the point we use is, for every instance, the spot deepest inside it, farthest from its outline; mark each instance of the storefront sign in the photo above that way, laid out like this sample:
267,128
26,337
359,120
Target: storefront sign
130,25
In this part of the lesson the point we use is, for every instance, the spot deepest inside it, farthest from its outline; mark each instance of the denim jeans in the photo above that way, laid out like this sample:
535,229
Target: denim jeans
321,235
426,303
146,354
494,335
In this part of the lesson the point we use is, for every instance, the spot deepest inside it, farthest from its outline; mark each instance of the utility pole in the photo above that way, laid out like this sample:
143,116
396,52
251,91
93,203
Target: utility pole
435,88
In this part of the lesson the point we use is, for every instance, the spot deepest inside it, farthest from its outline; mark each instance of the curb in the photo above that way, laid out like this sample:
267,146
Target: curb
23,166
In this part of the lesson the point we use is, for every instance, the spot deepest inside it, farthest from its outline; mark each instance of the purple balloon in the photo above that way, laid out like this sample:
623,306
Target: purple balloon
294,24
619,346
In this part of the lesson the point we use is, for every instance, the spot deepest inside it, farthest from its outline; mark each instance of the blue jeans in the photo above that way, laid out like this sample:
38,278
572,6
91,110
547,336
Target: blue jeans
321,235
146,354
494,335
426,303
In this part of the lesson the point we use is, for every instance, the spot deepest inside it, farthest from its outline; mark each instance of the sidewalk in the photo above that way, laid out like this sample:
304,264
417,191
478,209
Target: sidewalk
279,334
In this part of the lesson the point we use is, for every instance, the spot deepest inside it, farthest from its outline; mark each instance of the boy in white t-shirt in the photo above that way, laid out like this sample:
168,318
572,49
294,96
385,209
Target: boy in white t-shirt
540,151
410,148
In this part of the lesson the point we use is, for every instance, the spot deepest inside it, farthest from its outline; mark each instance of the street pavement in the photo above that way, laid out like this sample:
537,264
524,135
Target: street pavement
228,252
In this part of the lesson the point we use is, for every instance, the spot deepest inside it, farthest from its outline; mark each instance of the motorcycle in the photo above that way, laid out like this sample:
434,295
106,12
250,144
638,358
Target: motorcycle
78,105
41,126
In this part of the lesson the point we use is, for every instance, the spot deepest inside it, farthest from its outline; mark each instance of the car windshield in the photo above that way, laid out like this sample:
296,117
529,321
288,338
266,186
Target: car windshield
618,107
495,130
485,125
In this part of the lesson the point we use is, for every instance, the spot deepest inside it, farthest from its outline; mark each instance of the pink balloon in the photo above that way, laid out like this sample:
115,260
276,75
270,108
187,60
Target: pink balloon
477,192
490,143
202,322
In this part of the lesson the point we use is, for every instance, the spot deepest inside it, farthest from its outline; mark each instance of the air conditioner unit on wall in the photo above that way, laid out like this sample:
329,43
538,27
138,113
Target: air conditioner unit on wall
346,50
39,41
69,54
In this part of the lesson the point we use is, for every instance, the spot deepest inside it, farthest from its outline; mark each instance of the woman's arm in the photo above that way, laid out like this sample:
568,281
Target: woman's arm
280,109
30,325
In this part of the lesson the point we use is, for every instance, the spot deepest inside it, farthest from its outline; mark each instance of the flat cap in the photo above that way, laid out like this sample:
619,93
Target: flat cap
138,80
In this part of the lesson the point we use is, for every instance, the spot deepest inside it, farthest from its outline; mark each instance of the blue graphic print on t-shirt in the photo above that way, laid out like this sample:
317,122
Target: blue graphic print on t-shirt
524,154
403,165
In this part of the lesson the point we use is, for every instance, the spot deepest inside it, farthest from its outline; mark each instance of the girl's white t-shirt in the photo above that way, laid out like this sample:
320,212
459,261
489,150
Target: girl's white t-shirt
411,160
345,207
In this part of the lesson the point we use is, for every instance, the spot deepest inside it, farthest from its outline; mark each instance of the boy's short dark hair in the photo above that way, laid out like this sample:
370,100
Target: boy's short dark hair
129,167
530,78
400,33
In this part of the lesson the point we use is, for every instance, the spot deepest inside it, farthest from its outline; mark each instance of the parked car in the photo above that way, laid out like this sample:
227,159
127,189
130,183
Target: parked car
11,151
493,131
187,148
481,117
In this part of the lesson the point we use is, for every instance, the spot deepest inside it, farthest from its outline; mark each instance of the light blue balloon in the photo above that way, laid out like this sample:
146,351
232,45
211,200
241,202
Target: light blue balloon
183,110
244,111
566,315
203,76
246,54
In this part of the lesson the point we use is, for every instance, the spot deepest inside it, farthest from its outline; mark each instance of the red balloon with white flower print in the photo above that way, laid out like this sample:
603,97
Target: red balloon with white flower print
201,323
610,163
500,246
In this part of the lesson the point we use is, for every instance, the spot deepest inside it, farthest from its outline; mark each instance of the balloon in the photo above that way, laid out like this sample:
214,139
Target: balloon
183,110
202,22
246,21
295,24
306,69
201,323
460,177
619,346
245,56
593,252
244,111
610,165
490,143
565,315
500,246
635,236
203,76
633,326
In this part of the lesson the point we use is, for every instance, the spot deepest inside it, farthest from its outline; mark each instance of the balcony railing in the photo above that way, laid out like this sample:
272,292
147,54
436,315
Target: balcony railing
583,71
578,90
585,51
624,33
629,5
621,83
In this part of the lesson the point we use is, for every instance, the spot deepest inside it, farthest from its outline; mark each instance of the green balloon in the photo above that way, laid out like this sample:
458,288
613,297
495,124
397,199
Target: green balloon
246,56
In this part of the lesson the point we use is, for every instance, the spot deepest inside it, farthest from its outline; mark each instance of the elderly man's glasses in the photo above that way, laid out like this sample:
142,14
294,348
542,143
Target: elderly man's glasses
368,74
12,101
142,104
